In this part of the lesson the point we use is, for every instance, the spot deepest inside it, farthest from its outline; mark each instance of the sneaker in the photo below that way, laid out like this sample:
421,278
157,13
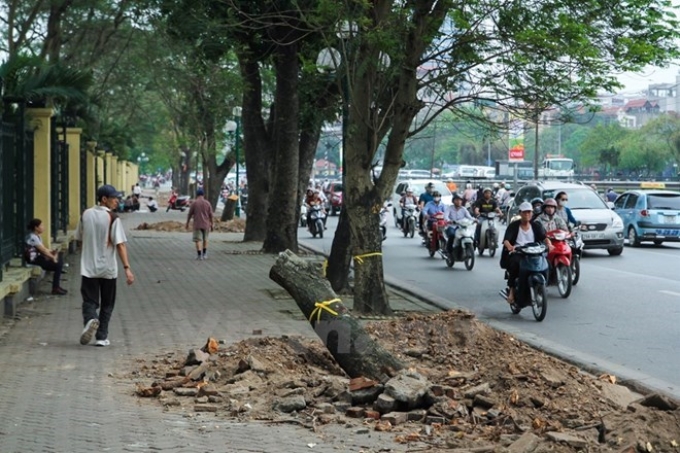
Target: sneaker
199,258
102,343
59,291
89,331
205,256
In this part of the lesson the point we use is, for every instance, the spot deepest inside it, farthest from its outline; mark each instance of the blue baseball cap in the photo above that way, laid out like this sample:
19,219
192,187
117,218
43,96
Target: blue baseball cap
200,192
108,191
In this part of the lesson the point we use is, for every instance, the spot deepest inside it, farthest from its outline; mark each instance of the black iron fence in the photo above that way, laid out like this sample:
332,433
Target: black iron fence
16,183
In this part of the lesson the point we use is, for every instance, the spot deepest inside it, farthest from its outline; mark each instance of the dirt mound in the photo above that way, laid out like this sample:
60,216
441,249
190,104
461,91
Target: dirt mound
487,390
230,226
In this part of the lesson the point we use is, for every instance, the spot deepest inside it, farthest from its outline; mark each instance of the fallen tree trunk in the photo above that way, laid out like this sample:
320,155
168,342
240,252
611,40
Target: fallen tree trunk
354,350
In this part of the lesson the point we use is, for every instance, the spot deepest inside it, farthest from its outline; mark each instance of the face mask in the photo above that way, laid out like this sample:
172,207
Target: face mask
437,199
562,203
537,210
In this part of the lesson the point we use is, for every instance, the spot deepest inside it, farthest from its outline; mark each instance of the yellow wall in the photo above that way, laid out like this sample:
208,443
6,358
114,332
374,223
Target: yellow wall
40,121
91,165
108,172
115,181
100,170
73,140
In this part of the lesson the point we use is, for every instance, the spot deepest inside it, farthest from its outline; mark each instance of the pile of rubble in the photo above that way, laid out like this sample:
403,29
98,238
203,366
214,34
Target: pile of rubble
466,386
230,226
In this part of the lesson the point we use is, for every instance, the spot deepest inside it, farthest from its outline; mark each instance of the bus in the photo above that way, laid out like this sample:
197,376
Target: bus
551,168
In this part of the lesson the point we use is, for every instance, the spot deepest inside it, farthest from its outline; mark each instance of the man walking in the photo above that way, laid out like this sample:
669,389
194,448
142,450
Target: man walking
101,234
202,213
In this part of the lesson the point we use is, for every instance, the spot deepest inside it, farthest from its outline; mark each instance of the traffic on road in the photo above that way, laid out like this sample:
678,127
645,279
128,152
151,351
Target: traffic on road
622,315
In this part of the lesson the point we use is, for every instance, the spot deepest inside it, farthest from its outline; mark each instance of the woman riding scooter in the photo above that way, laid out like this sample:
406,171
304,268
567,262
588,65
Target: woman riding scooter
520,232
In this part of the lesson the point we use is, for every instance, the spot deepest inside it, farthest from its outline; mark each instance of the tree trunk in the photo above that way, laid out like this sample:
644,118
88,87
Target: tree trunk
370,295
257,147
354,350
340,258
283,207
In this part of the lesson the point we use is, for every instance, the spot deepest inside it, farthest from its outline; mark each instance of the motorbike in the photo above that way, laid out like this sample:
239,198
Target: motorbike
530,284
303,216
559,260
463,248
435,236
409,220
577,245
178,203
383,220
488,236
316,217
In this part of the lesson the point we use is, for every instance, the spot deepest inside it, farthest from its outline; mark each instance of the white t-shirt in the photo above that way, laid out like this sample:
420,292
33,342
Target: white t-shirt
525,237
98,255
137,190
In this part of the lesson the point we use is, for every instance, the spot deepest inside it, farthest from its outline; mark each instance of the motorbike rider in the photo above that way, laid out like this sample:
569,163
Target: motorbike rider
520,232
502,194
468,194
406,199
537,206
454,213
425,198
485,205
432,208
562,210
312,198
548,217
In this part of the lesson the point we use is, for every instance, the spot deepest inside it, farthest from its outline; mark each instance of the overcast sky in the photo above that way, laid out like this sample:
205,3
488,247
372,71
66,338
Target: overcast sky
637,82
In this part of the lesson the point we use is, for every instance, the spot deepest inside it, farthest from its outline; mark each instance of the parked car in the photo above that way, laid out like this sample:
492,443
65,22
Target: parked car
601,227
334,196
649,216
418,186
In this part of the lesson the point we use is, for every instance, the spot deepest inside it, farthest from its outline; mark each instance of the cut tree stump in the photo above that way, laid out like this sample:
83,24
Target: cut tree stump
351,346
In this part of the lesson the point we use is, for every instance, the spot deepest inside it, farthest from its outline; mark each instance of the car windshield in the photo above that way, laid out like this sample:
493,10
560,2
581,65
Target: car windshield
579,198
439,186
663,201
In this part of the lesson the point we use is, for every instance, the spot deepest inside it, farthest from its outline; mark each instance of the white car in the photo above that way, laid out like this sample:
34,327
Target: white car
418,186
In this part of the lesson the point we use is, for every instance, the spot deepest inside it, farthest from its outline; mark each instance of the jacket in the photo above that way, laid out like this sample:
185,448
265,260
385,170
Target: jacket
511,233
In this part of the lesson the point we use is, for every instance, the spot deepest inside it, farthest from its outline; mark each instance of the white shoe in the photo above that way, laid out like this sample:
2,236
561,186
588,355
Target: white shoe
89,331
102,342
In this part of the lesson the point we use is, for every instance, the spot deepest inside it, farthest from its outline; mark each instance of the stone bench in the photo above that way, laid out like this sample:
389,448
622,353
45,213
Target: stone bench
14,287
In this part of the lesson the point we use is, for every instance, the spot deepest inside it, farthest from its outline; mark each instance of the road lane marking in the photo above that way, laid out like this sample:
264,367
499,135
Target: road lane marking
671,293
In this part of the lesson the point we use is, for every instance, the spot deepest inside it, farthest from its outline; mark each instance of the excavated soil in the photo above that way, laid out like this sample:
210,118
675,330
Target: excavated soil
230,226
489,391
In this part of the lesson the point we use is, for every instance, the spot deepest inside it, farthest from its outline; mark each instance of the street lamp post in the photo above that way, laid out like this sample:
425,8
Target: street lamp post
141,160
235,128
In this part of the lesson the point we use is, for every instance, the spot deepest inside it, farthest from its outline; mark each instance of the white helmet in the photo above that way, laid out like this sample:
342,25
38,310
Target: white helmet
495,185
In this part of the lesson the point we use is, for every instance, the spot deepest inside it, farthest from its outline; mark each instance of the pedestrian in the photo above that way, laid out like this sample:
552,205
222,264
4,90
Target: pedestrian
136,190
101,235
39,255
202,213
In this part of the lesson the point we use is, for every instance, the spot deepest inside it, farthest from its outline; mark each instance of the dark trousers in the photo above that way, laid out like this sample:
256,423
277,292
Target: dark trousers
50,265
514,261
98,294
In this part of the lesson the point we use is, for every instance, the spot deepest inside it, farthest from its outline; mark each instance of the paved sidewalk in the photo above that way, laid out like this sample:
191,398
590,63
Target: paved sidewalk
58,396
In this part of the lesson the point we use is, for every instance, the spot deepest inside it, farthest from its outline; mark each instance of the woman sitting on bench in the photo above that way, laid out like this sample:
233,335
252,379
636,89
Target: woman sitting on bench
39,255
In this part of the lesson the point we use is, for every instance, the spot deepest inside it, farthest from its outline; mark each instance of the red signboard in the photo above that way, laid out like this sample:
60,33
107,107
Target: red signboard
516,153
